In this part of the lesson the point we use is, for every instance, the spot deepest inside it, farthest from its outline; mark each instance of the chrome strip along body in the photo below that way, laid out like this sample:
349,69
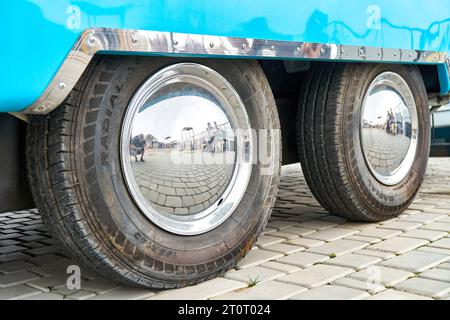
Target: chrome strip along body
96,40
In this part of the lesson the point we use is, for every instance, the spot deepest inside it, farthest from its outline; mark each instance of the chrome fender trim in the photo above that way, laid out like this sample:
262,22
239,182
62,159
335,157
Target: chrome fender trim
96,40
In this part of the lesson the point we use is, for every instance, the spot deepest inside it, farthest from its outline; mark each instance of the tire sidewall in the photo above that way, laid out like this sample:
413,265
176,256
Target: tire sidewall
379,197
123,224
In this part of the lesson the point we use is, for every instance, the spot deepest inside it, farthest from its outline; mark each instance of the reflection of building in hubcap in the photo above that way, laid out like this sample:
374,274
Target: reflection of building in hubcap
389,128
180,150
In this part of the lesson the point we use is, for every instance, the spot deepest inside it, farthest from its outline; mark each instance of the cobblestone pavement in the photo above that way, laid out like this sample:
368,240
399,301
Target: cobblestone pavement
386,155
174,183
304,253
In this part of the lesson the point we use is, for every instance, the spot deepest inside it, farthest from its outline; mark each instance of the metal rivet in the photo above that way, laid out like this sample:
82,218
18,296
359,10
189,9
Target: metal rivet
244,46
134,39
211,44
410,54
299,49
322,51
342,50
61,85
272,48
361,52
92,39
175,42
395,54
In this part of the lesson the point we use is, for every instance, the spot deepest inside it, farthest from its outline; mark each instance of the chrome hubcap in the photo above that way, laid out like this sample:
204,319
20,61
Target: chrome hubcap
186,148
389,128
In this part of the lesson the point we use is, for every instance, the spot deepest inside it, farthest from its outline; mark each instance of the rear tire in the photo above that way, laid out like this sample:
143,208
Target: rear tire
330,141
78,185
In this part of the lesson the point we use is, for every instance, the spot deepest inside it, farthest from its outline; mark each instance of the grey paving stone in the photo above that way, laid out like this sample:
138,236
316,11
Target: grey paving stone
12,279
45,296
17,292
253,274
370,287
267,240
270,290
398,245
286,268
391,294
316,275
380,233
438,226
438,274
15,266
379,275
423,217
303,259
416,261
401,225
426,287
307,243
443,243
373,253
331,292
284,248
257,256
338,247
429,235
354,261
202,291
331,234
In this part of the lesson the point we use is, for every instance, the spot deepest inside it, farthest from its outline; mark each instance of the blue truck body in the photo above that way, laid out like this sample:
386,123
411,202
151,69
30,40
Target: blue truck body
39,34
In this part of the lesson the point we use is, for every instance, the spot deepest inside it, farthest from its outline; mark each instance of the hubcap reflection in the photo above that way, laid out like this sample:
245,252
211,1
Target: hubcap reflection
186,148
389,128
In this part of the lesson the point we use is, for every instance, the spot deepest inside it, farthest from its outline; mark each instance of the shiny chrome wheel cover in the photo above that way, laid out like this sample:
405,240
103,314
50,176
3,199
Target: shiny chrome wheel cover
197,148
389,128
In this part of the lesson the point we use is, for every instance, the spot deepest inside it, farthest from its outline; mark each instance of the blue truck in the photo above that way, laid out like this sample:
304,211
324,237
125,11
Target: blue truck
150,134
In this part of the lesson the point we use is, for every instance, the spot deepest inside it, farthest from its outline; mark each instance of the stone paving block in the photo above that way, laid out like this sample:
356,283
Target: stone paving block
369,240
354,261
380,233
15,266
47,284
438,226
46,259
280,224
338,247
299,231
202,291
373,253
284,235
429,235
398,245
257,256
286,268
303,259
284,248
445,265
331,234
13,257
253,274
438,274
17,292
428,248
391,294
416,261
125,293
331,292
370,287
267,240
316,275
98,285
81,295
270,290
443,243
361,226
425,287
380,275
423,217
12,279
317,224
401,225
307,243
45,296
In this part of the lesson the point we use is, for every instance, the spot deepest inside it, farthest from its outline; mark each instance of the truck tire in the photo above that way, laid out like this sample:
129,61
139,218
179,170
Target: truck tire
363,137
134,221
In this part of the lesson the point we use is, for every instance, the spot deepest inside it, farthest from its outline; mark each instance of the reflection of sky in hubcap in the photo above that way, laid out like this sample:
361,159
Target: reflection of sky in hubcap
388,128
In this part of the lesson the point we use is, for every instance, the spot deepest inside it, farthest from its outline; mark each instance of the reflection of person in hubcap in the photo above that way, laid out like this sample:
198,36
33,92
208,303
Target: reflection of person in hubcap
138,146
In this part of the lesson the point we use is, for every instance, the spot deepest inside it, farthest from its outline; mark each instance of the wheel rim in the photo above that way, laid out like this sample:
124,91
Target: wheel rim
389,128
195,171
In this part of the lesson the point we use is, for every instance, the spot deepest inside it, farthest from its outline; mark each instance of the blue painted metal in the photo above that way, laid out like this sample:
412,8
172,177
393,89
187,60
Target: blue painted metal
39,33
